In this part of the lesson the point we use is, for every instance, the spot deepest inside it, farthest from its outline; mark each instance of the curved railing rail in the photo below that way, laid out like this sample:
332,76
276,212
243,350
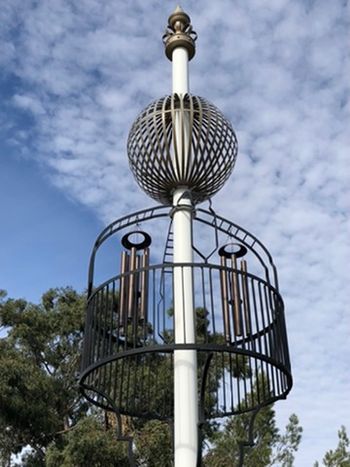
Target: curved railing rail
240,333
202,216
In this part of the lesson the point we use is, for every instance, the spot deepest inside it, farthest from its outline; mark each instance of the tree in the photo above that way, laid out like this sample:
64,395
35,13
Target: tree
286,445
40,405
87,444
41,408
270,447
341,456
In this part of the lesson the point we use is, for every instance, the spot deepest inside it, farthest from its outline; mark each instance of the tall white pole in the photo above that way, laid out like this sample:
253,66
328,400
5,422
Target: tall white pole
185,361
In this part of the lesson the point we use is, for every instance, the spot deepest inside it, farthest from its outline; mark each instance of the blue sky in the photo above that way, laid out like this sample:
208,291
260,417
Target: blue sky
45,238
74,77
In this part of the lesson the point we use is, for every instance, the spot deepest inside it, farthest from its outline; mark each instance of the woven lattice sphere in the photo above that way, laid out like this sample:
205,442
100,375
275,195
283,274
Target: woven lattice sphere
169,124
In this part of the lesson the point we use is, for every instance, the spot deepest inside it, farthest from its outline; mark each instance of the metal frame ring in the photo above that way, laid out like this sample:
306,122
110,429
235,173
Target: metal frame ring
128,244
238,254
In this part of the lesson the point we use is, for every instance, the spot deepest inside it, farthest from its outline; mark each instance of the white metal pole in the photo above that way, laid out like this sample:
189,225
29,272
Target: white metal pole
185,361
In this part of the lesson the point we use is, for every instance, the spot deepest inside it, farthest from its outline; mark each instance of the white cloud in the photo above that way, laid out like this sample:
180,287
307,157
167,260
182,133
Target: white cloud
29,103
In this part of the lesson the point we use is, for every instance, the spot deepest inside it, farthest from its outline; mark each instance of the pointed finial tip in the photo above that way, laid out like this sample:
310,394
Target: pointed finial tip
178,9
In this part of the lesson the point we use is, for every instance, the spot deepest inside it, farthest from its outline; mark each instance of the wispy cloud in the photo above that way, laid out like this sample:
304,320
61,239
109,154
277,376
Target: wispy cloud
279,70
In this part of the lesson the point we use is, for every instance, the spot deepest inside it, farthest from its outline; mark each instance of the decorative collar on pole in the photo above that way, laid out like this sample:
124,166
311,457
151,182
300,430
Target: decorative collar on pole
179,33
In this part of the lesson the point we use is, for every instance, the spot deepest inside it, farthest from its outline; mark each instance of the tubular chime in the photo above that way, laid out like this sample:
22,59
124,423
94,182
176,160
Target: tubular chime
133,290
234,292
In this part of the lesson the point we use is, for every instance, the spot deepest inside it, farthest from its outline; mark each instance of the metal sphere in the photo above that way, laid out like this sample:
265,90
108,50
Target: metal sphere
181,140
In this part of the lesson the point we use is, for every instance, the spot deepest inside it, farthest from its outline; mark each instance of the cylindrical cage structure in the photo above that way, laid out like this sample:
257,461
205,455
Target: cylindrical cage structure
241,342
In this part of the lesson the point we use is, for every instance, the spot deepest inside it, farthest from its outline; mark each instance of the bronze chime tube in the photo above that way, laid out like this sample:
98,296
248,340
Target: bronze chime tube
133,290
132,283
144,284
224,299
123,292
236,298
245,296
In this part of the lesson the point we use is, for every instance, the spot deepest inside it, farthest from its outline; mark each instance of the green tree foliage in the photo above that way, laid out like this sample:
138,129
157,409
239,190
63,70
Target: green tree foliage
225,451
286,445
340,457
40,405
88,444
154,445
270,447
39,397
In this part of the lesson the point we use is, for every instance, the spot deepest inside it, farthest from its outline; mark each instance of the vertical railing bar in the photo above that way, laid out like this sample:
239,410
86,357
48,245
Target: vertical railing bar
143,360
239,317
104,339
87,341
223,380
127,398
251,380
156,311
259,341
149,385
134,368
101,298
164,313
118,318
283,334
272,336
115,366
212,301
121,398
96,328
225,299
204,303
268,324
265,340
91,329
238,386
97,325
257,380
231,381
217,380
113,312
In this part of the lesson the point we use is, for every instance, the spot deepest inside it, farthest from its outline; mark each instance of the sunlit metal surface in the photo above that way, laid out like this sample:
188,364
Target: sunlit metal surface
209,154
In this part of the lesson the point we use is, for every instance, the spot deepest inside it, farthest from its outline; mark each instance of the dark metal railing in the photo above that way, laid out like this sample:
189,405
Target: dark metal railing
203,218
243,360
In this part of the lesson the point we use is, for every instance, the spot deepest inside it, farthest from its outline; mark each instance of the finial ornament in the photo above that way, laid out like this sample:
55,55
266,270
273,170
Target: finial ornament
179,33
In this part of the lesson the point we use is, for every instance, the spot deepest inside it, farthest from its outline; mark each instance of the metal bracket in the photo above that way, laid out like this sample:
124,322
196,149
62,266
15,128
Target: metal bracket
201,418
249,443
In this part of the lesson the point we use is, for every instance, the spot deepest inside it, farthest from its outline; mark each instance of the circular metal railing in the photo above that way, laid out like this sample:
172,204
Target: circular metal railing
243,360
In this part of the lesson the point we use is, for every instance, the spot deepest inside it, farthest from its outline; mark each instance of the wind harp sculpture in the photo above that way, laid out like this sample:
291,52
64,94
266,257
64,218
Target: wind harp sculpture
201,334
